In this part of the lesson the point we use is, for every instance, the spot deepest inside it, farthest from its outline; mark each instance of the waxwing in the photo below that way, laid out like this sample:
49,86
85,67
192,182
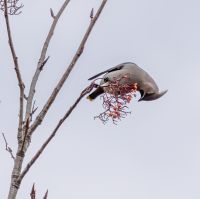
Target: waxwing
146,85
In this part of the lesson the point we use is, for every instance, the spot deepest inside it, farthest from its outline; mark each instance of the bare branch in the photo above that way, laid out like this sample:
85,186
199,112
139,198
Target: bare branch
34,109
17,70
92,13
33,192
46,195
39,152
23,140
42,60
25,136
8,148
14,186
52,14
17,173
56,90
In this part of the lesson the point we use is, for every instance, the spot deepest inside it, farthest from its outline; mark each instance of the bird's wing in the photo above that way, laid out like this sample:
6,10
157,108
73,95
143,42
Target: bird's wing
118,67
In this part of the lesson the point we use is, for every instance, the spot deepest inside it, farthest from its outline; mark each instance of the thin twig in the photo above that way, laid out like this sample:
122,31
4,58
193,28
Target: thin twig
39,152
52,14
42,60
8,148
34,109
56,90
92,14
33,192
17,70
46,195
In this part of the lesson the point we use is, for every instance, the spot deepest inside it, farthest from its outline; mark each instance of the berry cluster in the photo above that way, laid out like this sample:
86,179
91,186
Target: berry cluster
115,100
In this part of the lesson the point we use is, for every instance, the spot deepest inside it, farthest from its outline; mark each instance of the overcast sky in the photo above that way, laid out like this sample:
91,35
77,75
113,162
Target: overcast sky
153,153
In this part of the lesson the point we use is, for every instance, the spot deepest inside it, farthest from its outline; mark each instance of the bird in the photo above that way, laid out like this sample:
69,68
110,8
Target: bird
146,85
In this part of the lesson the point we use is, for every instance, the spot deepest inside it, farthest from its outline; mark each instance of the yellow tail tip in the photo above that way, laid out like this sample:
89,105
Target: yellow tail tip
89,98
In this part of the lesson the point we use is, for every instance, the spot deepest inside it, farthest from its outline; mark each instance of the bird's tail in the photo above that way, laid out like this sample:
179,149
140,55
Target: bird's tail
96,93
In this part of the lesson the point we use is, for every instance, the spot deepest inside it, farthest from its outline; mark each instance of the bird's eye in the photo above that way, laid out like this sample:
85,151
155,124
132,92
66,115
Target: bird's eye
106,79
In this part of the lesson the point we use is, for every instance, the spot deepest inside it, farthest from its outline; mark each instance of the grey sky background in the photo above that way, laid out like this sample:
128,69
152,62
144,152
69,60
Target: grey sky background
154,153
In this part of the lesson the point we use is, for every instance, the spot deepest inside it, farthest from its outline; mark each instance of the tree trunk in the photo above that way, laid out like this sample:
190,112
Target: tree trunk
15,183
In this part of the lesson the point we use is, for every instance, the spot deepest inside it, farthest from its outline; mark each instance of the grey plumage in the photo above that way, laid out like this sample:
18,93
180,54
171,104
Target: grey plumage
146,84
